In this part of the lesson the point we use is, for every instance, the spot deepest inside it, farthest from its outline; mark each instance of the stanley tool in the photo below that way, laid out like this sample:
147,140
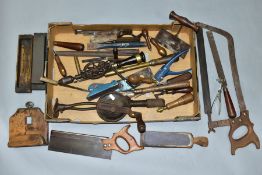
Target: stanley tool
234,123
90,145
171,140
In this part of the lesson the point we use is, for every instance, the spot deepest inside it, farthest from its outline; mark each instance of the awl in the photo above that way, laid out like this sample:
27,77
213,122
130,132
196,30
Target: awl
171,140
90,145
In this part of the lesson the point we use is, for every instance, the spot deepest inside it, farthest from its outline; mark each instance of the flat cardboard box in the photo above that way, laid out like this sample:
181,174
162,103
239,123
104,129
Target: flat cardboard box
66,32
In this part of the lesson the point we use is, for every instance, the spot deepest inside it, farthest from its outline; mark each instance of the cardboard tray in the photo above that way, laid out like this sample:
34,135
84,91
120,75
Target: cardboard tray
66,32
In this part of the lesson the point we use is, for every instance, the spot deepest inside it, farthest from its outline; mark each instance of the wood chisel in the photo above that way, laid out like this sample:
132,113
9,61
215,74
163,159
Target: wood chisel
171,140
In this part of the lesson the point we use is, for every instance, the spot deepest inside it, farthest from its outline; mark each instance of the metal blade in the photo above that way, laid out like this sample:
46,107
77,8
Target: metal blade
219,68
80,144
166,139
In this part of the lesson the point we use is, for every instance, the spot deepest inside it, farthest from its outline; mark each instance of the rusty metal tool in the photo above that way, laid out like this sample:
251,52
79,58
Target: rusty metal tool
171,139
171,42
69,45
104,53
161,50
184,99
90,145
27,127
222,79
110,45
234,123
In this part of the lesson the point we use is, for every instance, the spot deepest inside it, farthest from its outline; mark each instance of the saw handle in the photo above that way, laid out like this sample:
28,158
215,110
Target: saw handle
183,20
111,143
229,104
69,45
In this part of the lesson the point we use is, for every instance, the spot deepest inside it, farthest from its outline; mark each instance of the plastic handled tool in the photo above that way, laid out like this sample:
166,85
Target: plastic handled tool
165,69
90,145
108,45
69,45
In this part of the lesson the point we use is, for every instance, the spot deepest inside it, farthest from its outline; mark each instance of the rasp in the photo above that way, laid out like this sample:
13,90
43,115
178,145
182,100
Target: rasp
220,72
171,139
90,145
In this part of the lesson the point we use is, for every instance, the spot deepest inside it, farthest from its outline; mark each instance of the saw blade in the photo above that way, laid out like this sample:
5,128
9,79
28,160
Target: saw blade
219,68
80,144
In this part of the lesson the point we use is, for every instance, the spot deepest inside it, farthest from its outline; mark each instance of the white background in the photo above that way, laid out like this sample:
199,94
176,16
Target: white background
241,18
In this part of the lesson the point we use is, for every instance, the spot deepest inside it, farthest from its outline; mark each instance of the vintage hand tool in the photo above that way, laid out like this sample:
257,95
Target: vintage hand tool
97,69
90,145
56,83
222,79
119,32
234,123
153,62
145,35
161,50
104,53
180,78
185,99
27,127
171,139
60,65
110,45
112,107
171,42
98,89
165,69
69,45
158,88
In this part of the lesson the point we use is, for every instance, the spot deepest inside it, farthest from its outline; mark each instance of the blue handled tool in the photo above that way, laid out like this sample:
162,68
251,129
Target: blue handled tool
165,69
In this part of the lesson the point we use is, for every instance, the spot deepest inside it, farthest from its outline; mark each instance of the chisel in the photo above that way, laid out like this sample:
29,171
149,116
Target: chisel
171,140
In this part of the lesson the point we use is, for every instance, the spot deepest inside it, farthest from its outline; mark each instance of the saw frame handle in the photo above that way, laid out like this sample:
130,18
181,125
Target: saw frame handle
111,143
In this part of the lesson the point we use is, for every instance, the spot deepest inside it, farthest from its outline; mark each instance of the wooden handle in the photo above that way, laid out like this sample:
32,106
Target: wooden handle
187,98
146,36
184,77
182,90
229,104
161,50
69,45
183,20
111,144
201,141
136,79
47,80
60,66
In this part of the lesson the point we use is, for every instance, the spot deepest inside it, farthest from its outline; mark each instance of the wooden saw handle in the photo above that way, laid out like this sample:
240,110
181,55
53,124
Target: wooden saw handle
111,143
